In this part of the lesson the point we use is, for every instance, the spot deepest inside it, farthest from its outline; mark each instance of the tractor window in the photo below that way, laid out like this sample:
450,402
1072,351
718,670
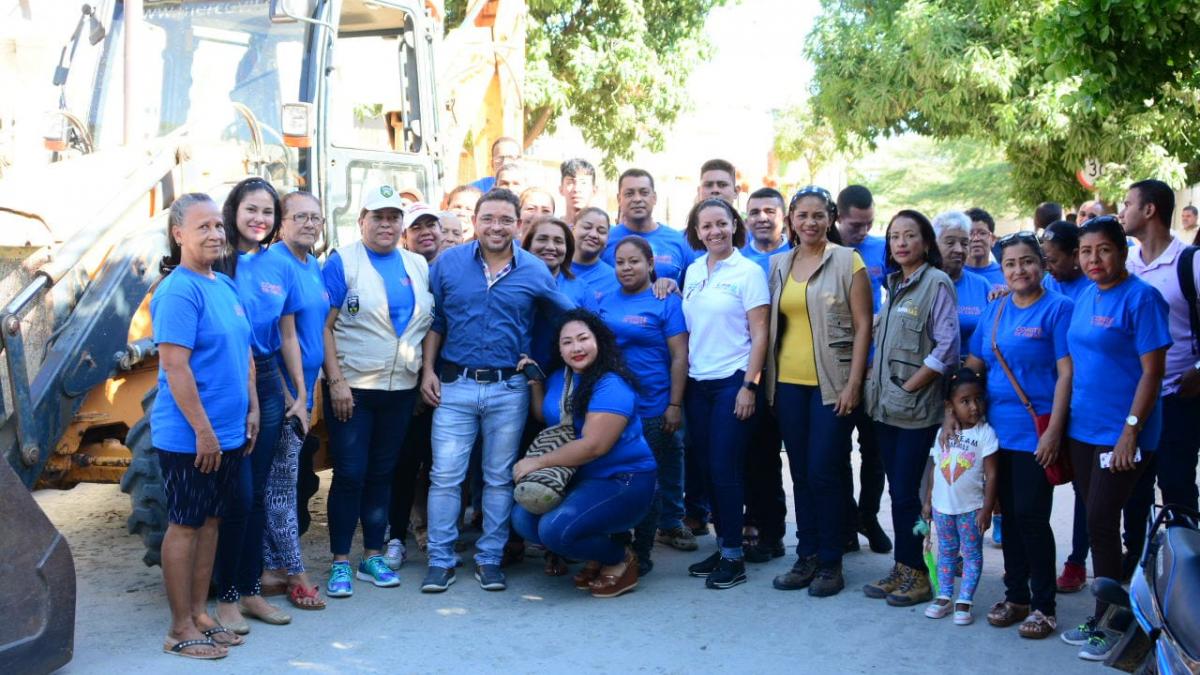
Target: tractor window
345,192
373,90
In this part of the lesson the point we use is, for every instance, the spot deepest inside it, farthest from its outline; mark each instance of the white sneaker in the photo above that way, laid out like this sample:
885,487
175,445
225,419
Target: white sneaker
395,555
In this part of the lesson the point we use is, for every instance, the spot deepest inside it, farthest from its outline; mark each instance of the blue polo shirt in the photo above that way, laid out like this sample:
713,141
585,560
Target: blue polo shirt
310,318
642,324
874,254
486,327
631,453
991,272
1110,331
599,276
1032,340
764,259
396,285
1071,289
972,291
205,316
672,254
269,288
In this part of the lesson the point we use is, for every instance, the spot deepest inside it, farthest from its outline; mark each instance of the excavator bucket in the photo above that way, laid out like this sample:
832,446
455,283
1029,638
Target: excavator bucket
38,593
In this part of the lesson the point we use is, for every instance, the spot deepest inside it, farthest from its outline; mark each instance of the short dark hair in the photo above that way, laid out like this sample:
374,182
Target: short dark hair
575,166
768,193
719,165
1192,210
1063,234
854,196
1160,195
933,254
566,230
693,223
977,214
500,195
1046,213
1108,227
635,173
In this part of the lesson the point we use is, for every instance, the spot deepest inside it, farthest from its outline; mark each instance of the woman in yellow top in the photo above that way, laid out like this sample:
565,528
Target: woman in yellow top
820,335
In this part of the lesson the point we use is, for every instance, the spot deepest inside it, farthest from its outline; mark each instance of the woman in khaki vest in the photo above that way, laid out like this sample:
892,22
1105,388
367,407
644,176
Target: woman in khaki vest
820,333
916,340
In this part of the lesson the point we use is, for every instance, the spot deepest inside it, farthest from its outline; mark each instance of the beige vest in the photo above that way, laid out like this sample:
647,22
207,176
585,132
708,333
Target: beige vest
370,354
828,299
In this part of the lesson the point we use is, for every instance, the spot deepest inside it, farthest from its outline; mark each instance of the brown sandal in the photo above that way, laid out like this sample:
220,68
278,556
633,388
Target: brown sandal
1037,626
583,580
1004,613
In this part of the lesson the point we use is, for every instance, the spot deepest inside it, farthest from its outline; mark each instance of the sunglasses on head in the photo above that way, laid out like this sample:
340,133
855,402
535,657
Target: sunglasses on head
811,190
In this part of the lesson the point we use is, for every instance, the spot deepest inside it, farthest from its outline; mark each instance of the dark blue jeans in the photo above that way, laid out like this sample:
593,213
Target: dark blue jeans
766,503
667,454
581,527
905,452
818,443
870,476
719,441
238,568
364,450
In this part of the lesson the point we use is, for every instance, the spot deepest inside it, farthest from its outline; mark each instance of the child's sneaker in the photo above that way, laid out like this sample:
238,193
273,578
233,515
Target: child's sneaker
396,554
1099,645
938,610
963,617
341,584
376,571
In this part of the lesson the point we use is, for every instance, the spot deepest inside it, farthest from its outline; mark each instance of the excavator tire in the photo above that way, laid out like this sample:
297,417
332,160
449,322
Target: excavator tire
144,484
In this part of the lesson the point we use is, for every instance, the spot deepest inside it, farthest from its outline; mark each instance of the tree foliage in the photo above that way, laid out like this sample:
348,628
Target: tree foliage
1052,82
617,69
799,136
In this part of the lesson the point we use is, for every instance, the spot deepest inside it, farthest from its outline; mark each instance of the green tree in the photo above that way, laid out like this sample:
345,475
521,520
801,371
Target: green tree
615,68
801,137
1052,82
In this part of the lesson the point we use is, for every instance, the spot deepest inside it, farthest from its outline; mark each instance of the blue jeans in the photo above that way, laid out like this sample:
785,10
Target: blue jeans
238,567
581,527
905,452
666,453
364,450
497,411
671,481
719,440
818,443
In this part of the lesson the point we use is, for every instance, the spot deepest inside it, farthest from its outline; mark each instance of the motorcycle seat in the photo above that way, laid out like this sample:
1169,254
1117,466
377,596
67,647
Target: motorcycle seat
1178,586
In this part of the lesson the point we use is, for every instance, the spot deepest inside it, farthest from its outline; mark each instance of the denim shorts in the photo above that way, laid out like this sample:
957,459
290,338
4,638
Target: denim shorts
193,497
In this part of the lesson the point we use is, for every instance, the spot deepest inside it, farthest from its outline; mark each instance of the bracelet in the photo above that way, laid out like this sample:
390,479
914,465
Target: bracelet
335,380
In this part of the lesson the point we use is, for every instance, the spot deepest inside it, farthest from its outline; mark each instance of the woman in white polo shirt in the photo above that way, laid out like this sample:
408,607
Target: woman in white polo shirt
725,303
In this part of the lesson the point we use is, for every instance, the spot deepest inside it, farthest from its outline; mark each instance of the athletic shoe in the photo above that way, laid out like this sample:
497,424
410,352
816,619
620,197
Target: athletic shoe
376,571
341,584
437,579
1080,634
1099,645
705,567
729,573
490,577
396,554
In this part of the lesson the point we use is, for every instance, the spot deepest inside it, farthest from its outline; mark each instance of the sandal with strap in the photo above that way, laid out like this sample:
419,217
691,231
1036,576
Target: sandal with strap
299,593
177,650
1004,613
234,640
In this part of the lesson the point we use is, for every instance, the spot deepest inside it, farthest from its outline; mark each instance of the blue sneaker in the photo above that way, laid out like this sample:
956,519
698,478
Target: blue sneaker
376,571
341,584
996,537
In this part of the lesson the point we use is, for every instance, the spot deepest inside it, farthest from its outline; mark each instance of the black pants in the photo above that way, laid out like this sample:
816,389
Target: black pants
766,504
307,482
415,454
1029,556
870,476
1173,465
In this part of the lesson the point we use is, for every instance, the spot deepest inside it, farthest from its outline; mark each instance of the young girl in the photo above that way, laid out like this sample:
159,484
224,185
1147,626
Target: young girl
961,493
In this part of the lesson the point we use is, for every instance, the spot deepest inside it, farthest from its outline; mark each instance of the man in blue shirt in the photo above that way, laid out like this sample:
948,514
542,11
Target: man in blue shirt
765,216
505,150
855,216
485,294
636,196
979,252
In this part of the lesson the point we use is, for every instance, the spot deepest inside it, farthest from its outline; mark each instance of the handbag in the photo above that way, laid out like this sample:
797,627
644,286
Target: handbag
542,490
1060,471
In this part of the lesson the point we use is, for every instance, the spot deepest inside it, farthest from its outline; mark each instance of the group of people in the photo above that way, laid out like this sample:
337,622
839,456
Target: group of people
661,373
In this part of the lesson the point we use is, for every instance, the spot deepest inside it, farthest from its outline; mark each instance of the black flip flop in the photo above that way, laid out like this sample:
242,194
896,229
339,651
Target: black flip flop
218,629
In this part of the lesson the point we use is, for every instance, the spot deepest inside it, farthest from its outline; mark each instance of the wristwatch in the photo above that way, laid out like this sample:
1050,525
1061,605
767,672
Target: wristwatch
750,384
1132,421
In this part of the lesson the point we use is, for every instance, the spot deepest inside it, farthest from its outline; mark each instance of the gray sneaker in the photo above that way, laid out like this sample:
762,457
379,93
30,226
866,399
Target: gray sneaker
395,555
678,538
490,578
1099,645
1080,634
437,579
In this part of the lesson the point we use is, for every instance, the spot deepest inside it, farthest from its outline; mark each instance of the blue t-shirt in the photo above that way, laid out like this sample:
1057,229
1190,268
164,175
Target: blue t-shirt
991,272
874,254
205,316
484,184
642,324
1032,340
600,276
269,289
631,453
543,346
764,259
396,284
1110,331
1071,289
672,254
972,291
310,318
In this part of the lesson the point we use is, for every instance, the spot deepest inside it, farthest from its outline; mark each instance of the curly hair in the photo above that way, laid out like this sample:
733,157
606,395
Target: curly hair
608,358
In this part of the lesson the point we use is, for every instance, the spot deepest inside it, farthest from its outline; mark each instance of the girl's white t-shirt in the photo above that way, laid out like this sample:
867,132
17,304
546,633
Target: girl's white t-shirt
958,475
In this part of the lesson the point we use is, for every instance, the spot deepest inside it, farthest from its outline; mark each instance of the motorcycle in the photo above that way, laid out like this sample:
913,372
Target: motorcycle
1161,610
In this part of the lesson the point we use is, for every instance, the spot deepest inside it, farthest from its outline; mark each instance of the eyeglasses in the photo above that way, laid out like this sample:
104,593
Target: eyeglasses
492,220
308,219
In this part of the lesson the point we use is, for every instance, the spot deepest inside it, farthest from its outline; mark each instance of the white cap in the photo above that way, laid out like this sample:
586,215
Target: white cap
381,197
418,210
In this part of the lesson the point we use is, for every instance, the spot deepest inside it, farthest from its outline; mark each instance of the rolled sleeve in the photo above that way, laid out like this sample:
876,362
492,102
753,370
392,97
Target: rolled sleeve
943,328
